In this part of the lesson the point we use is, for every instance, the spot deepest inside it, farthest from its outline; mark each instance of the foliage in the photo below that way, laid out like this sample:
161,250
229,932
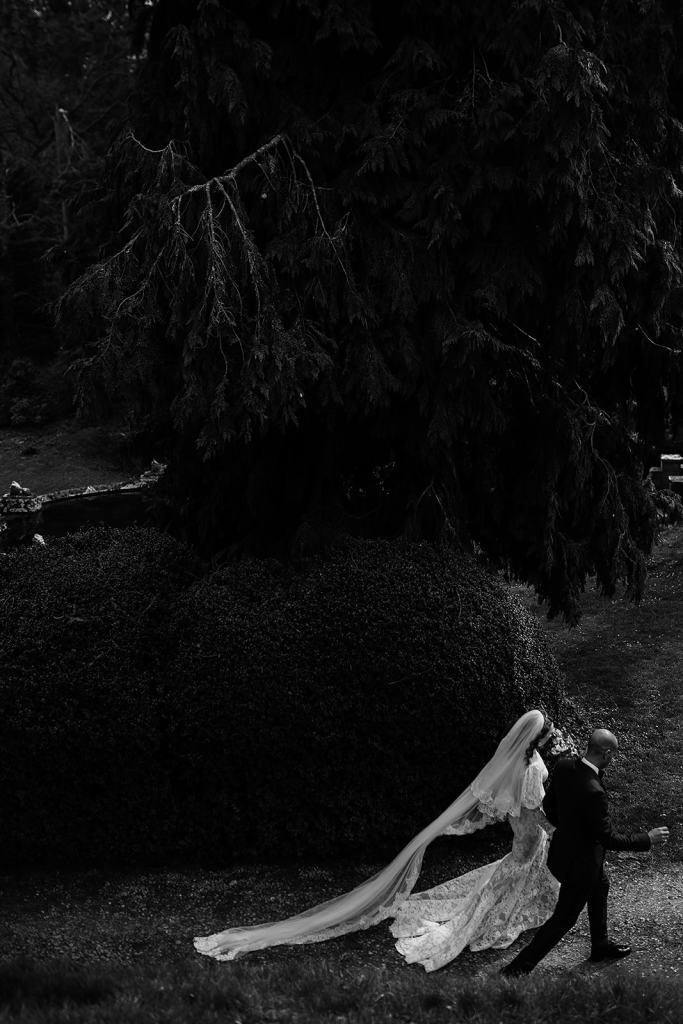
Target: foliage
256,710
32,395
82,653
668,504
64,77
347,700
412,272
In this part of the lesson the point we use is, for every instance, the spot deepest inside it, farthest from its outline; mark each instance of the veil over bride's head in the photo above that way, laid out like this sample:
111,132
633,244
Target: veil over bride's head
498,786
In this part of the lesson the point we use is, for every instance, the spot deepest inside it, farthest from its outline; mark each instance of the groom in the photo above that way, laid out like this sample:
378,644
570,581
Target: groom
576,804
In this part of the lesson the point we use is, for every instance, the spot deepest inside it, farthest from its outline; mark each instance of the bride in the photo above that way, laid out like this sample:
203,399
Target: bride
488,907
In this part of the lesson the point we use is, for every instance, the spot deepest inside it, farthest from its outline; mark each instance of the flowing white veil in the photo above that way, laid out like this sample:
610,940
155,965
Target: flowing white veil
495,793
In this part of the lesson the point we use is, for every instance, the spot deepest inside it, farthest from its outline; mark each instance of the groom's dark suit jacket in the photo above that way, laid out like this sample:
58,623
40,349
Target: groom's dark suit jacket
576,804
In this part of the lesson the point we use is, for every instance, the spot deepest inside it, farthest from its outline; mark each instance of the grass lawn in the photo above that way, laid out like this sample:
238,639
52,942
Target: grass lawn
107,947
59,455
624,662
324,992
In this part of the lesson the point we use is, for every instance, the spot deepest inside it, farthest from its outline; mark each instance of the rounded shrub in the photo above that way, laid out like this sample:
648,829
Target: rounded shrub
149,712
83,753
342,705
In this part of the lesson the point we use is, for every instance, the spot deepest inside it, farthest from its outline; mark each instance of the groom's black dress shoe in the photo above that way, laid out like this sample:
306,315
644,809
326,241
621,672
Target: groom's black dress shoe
609,951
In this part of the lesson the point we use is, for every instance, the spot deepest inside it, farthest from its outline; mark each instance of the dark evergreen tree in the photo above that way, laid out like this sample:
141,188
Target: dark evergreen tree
65,73
409,268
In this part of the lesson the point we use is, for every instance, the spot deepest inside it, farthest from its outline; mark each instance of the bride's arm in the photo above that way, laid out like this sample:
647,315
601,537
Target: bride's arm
534,796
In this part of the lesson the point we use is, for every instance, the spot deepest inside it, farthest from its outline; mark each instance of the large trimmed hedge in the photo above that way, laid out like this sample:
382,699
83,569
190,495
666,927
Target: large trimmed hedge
345,704
148,712
83,649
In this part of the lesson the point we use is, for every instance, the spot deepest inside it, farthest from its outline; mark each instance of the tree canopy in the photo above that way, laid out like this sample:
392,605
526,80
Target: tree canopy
65,73
400,269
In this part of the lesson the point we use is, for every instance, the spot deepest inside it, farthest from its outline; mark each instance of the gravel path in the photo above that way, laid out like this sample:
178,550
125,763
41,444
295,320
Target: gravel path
645,911
93,918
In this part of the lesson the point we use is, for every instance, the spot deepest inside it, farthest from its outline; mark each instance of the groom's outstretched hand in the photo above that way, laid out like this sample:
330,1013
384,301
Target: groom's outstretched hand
658,835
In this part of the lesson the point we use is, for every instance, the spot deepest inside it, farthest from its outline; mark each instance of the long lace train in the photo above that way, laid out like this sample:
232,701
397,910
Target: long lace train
485,908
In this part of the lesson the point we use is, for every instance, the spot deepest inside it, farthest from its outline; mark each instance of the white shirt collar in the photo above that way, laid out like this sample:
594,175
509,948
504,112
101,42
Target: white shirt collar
591,765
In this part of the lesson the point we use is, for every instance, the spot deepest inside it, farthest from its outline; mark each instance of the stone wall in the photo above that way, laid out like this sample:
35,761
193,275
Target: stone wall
25,517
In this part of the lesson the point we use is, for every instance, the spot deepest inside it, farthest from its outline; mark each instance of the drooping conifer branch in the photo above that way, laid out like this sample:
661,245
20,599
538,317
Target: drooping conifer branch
199,253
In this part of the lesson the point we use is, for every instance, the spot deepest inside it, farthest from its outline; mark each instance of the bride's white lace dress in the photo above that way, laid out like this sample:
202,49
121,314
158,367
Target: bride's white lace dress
492,905
487,907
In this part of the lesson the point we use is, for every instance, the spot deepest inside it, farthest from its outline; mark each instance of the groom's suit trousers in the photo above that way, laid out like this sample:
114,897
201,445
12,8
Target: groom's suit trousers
574,895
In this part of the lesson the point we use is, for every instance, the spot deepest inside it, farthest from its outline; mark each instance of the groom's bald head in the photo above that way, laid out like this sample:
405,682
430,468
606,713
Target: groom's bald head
602,746
602,740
